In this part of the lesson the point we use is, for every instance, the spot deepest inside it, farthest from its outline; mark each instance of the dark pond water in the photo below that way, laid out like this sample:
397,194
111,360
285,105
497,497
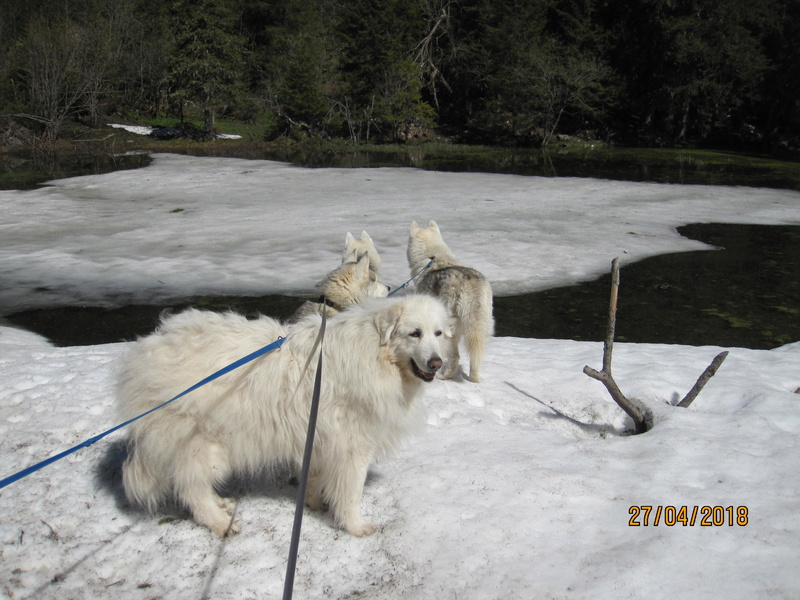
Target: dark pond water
746,294
626,164
27,171
90,325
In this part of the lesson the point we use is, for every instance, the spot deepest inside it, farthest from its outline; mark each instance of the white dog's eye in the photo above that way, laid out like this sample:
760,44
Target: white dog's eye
416,333
438,332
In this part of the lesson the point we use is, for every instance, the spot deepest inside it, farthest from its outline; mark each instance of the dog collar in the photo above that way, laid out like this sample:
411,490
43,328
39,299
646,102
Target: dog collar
323,300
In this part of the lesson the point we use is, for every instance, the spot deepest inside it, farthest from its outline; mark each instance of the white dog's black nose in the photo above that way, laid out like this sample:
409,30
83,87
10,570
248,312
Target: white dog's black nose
434,364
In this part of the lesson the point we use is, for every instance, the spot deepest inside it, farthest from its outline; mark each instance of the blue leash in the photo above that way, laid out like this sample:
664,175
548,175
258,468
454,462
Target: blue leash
250,357
413,277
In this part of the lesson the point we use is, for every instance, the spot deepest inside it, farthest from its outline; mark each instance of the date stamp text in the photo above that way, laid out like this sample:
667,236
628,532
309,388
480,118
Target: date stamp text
687,516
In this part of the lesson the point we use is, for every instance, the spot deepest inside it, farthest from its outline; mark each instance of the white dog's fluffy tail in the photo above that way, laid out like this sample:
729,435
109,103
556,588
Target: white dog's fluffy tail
142,486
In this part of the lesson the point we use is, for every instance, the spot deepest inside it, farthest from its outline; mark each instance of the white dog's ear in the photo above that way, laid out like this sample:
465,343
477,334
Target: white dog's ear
349,239
433,225
365,236
387,322
414,228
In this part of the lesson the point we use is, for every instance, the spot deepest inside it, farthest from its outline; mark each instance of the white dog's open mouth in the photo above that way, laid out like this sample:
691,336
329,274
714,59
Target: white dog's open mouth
424,375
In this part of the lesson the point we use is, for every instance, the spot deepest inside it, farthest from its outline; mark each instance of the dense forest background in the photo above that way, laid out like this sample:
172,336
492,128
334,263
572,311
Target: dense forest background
722,73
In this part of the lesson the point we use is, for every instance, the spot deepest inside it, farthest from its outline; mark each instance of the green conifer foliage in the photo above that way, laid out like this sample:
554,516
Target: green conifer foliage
206,58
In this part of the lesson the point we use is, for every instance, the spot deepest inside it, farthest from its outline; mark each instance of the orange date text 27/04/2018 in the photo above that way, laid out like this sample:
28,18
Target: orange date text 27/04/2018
688,516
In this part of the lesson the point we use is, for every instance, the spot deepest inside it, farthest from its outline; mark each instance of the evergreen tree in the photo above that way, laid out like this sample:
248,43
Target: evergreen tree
575,24
690,66
400,105
143,33
512,36
206,57
522,80
778,105
302,63
380,83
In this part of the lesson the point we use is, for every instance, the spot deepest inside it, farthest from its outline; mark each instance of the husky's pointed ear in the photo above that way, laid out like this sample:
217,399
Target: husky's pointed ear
349,252
433,225
414,228
387,321
362,267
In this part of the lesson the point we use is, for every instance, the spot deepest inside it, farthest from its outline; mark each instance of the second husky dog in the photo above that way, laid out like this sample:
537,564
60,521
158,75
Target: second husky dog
465,292
351,283
356,248
348,284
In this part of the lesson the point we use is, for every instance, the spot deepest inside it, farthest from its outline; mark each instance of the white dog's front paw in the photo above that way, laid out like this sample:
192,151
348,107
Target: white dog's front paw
227,504
224,527
361,528
217,514
316,502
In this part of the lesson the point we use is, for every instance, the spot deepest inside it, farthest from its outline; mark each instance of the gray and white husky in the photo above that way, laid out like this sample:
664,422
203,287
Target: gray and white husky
355,280
464,291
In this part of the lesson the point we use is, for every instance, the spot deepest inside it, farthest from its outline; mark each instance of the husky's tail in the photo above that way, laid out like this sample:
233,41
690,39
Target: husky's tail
477,323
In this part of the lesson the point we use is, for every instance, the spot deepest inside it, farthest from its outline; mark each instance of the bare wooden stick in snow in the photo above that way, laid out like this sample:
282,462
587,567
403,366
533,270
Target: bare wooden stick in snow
641,414
703,379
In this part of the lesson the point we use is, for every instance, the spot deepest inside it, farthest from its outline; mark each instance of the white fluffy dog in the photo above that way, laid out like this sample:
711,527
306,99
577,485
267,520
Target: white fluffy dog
376,357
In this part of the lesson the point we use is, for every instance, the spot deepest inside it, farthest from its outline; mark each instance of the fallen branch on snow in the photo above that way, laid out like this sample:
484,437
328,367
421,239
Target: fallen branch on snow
642,416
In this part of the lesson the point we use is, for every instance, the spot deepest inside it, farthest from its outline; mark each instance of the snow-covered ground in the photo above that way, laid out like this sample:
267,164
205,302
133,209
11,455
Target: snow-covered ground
518,487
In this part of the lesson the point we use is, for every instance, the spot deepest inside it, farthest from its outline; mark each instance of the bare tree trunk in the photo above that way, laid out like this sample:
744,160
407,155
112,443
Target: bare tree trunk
427,53
550,131
53,72
209,120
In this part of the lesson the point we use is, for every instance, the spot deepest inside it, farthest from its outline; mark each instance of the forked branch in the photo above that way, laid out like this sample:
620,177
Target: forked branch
641,414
